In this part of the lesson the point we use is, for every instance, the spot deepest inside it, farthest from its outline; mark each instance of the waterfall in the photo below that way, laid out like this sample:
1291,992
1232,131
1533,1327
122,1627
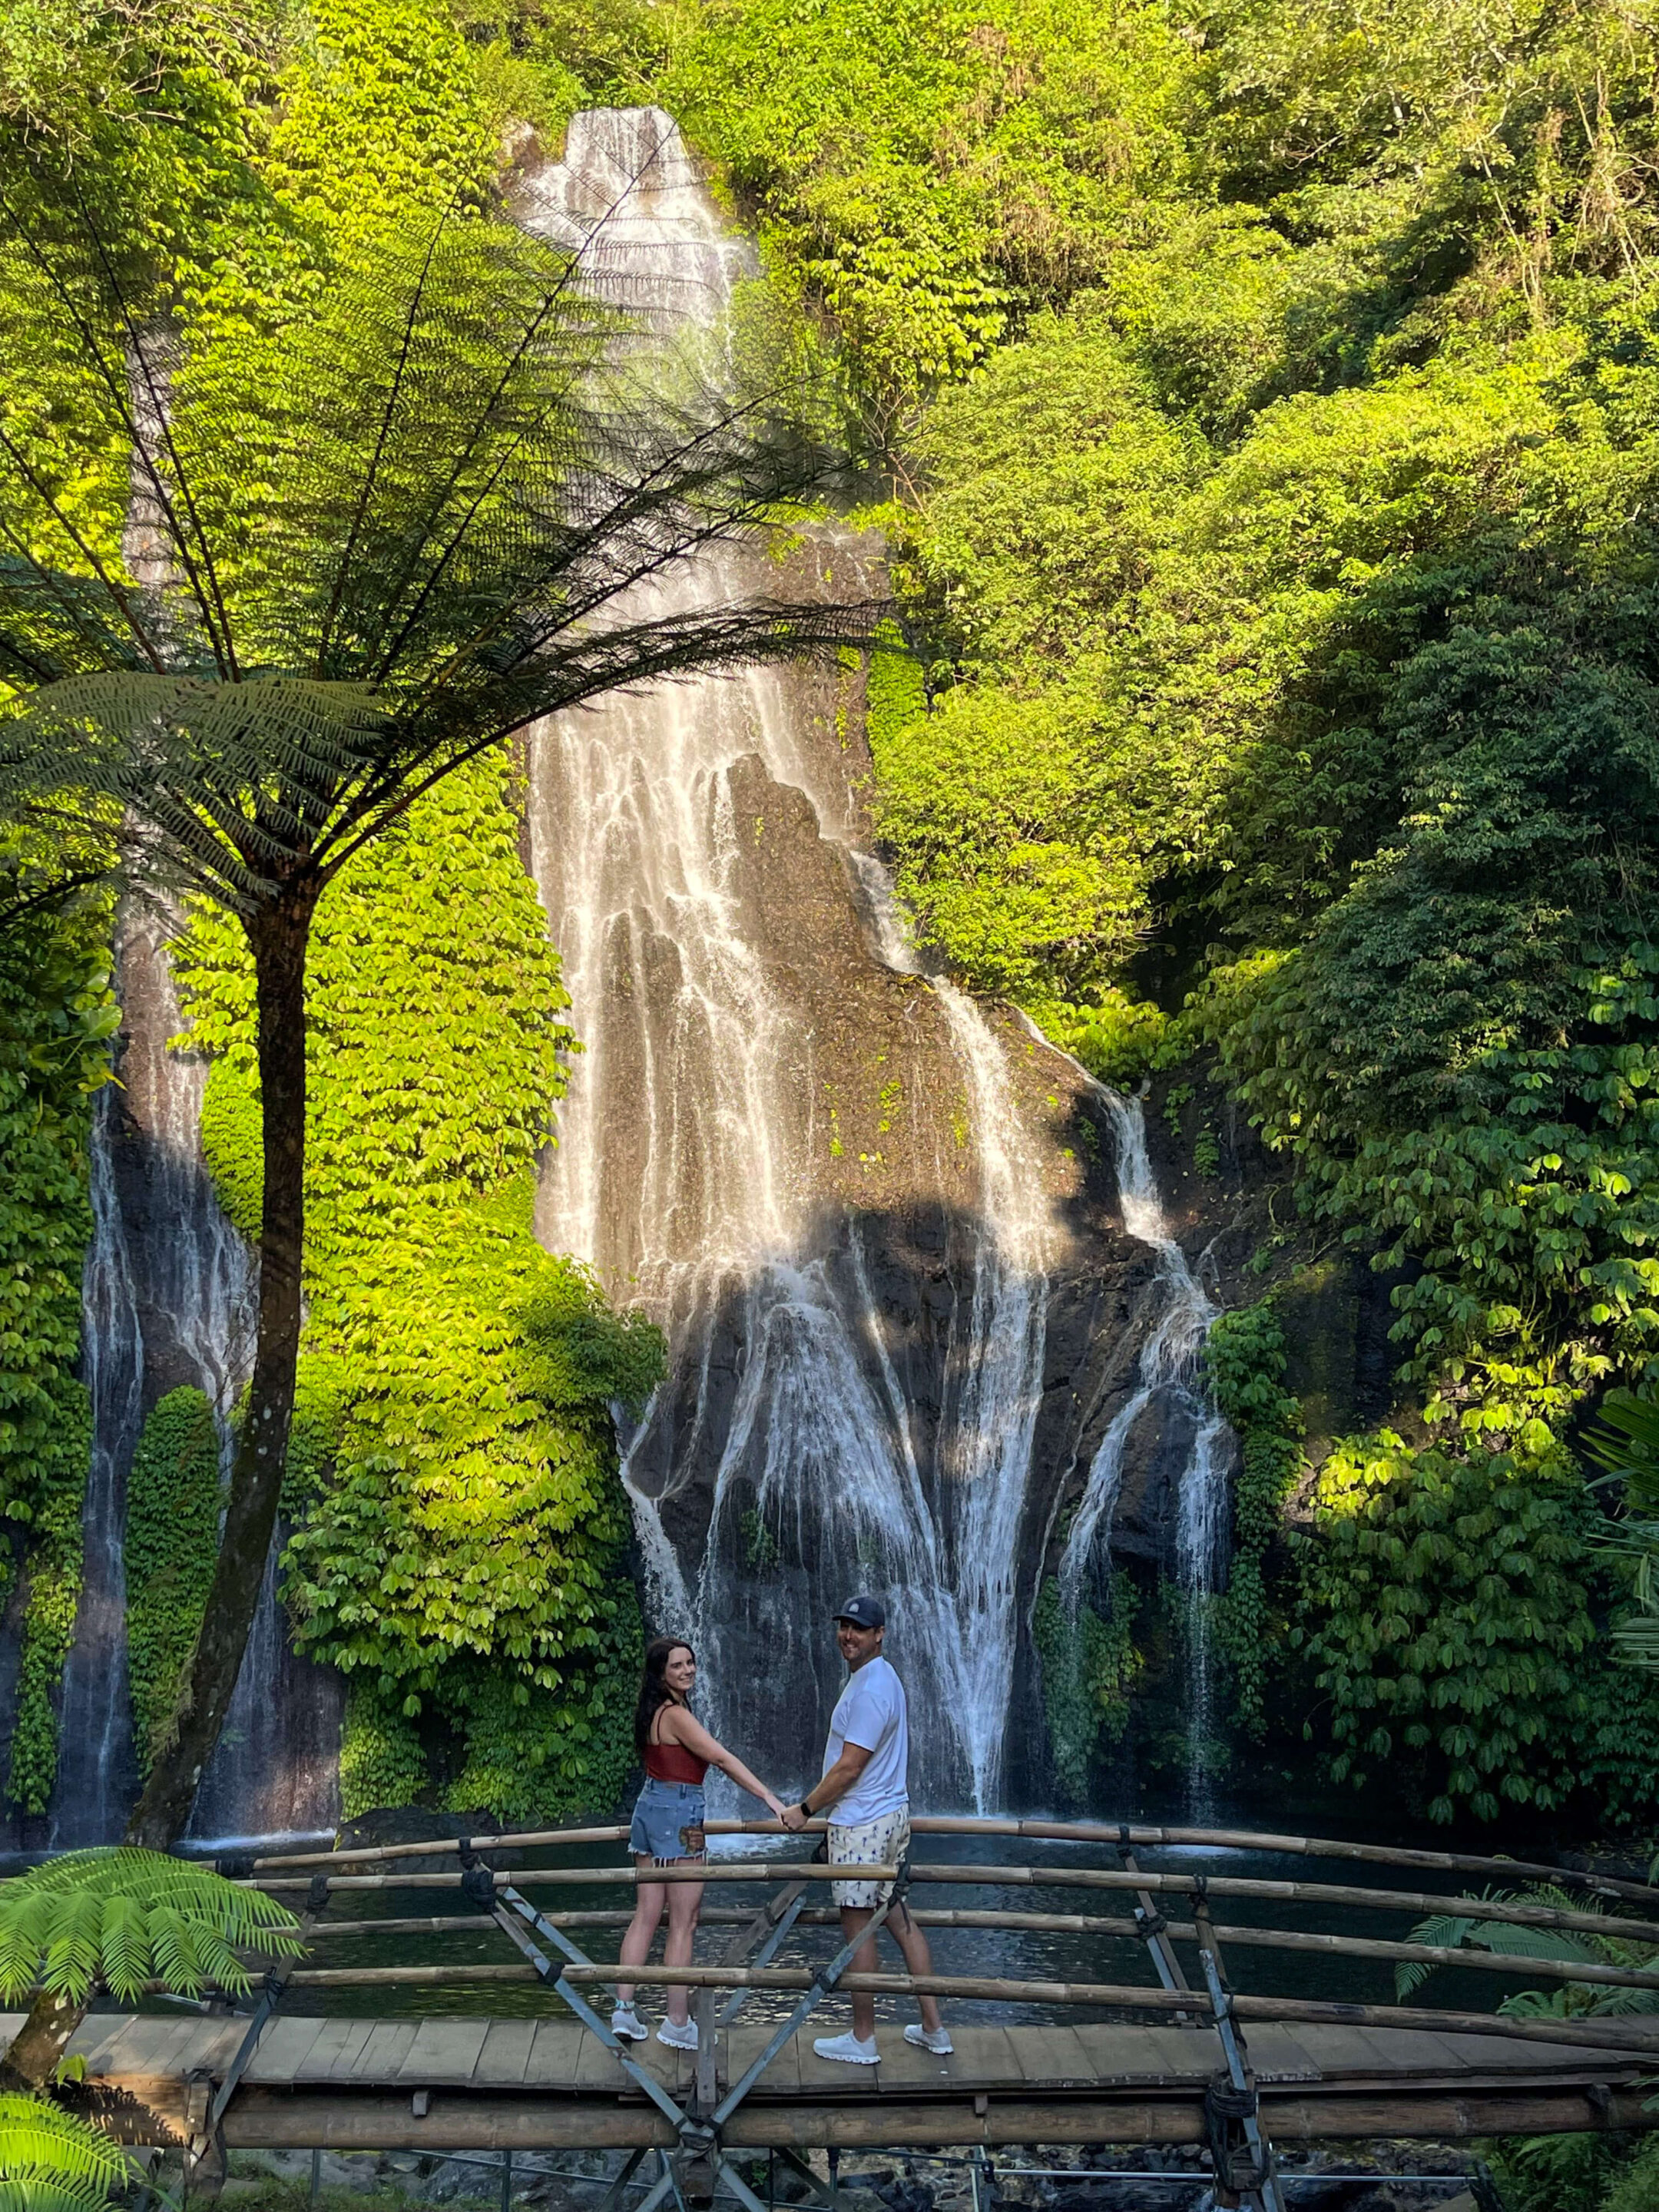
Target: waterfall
95,1728
1166,1372
790,1458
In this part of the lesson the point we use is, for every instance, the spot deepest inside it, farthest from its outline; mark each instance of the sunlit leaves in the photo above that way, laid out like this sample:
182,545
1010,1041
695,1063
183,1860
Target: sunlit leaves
51,2161
124,1916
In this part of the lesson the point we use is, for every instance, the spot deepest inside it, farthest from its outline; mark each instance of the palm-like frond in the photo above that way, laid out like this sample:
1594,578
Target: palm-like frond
1521,1940
447,507
50,2161
127,1917
1626,1444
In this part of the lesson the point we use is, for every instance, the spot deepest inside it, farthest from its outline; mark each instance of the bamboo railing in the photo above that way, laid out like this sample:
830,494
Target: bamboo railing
375,1870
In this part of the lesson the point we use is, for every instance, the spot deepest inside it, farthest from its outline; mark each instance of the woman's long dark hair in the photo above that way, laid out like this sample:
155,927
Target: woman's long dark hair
654,1691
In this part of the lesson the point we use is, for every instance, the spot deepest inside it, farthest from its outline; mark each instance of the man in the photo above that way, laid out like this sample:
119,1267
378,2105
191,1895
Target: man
864,1789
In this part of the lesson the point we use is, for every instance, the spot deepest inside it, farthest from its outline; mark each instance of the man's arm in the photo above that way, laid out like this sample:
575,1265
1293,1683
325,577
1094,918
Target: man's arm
828,1786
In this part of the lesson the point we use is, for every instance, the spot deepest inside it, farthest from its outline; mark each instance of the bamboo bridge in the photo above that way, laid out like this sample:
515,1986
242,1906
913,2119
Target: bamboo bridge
1183,2058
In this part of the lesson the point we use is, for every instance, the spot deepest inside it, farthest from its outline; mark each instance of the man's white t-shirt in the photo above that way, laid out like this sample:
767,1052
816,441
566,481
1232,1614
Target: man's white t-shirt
871,1713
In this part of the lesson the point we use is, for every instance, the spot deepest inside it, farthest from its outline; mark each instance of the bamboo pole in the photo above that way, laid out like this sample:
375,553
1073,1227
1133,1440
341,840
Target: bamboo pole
1289,1893
261,2118
605,1877
1048,1924
477,1923
996,1988
1123,1835
1323,1895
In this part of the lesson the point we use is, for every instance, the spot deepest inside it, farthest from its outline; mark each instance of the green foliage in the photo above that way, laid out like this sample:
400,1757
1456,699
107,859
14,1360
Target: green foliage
1090,1664
459,1519
382,1758
933,167
1445,1612
56,1019
1244,1358
52,2162
1518,1939
1119,1039
123,1915
171,1545
57,1471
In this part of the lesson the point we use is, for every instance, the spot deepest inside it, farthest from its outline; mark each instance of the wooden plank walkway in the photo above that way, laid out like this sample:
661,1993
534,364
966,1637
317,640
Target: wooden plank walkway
455,2083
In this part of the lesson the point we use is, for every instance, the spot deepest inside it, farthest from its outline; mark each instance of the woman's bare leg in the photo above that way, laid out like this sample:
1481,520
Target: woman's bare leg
684,1902
648,1901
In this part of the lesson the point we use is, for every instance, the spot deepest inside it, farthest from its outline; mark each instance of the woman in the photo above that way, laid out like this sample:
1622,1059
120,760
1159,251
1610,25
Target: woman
668,1817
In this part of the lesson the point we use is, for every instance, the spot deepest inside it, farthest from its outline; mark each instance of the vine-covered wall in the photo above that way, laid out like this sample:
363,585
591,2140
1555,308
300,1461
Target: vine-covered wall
172,1541
55,1019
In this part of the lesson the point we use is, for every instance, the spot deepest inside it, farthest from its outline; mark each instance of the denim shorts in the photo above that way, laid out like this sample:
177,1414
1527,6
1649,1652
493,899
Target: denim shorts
668,1818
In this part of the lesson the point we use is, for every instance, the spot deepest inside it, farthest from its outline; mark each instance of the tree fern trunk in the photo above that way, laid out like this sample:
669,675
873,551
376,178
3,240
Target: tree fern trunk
279,935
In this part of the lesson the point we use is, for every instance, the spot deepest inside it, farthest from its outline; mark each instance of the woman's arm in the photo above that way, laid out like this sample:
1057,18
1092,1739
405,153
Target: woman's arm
689,1732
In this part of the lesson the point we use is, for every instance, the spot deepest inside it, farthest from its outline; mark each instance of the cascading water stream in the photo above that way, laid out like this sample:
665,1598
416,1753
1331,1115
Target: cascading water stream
1166,1371
682,1166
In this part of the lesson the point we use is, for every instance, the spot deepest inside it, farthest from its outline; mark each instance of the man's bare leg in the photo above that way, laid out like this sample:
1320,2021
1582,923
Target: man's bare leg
853,1917
920,1961
917,1956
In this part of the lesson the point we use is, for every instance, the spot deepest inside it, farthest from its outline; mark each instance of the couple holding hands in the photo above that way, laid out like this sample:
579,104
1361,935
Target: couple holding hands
863,1788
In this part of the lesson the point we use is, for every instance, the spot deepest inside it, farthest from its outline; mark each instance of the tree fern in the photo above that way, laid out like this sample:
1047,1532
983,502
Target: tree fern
127,1918
50,2161
1521,1940
453,501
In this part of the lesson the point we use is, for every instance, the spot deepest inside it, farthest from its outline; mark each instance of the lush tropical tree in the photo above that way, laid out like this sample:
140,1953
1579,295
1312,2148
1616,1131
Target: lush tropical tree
456,497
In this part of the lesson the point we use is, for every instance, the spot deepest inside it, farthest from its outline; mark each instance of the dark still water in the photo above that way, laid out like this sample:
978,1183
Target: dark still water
1015,1954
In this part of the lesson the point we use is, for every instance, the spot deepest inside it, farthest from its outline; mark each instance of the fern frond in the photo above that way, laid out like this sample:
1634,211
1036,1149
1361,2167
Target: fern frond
123,1914
125,1947
50,2161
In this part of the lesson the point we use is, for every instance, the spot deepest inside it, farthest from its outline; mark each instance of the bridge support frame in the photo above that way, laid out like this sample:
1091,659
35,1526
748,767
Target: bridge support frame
691,2169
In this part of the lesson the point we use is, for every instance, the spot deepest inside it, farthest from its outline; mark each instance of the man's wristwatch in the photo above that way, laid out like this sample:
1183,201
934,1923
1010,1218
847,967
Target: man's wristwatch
805,1809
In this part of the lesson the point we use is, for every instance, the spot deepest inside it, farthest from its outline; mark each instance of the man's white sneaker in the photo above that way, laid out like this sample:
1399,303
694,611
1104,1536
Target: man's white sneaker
850,2048
626,2023
678,2035
938,2041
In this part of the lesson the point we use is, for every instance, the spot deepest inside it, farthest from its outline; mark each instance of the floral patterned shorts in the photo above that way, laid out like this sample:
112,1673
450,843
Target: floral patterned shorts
883,1841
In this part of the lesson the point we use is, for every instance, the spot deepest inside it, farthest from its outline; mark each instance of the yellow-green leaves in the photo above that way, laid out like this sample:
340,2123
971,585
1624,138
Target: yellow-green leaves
124,1918
51,2161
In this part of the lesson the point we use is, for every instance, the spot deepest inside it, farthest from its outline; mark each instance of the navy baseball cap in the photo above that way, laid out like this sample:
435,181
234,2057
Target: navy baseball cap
862,1611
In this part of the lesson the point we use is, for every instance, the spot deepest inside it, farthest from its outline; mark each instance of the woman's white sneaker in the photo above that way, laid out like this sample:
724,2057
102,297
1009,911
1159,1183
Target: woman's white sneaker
626,2023
938,2040
850,2048
678,2034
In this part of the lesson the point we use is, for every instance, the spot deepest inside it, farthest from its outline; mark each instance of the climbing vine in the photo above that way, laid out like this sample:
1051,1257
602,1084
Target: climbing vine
53,1569
1445,1613
172,1541
1090,1663
56,1019
1244,1358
